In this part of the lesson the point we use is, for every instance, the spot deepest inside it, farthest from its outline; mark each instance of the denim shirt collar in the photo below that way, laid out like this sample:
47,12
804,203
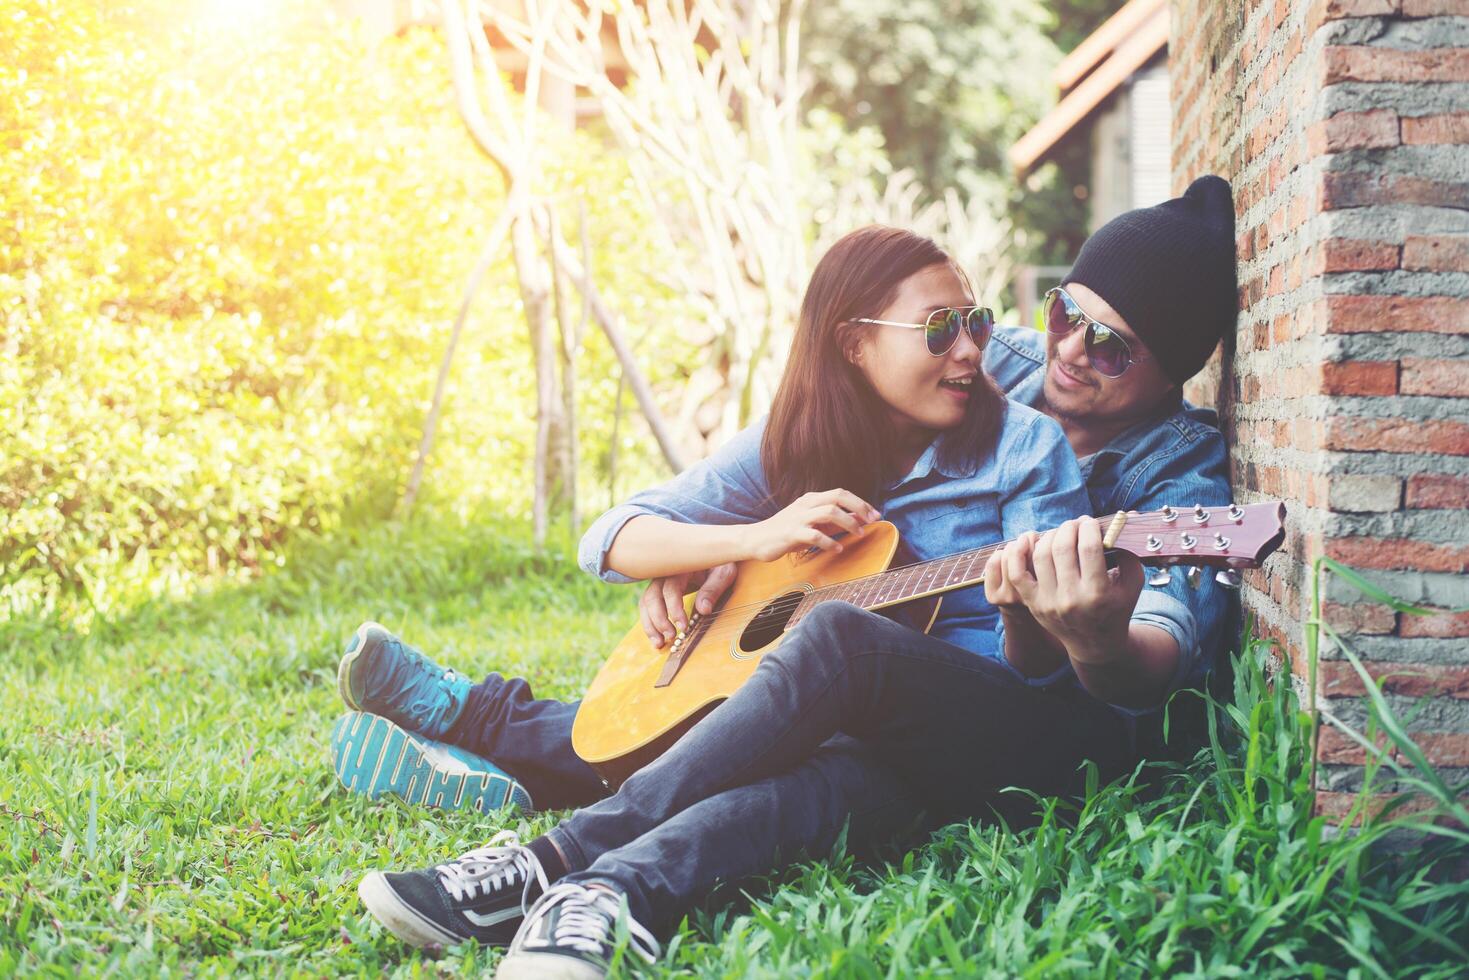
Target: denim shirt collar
929,463
1022,378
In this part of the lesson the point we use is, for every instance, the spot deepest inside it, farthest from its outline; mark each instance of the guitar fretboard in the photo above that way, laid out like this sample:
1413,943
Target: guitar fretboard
924,578
901,584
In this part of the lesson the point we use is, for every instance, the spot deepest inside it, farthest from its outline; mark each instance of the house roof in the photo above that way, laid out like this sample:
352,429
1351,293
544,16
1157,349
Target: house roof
1128,40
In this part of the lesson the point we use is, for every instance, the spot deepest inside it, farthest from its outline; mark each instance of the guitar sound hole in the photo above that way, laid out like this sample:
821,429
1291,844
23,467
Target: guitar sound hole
770,622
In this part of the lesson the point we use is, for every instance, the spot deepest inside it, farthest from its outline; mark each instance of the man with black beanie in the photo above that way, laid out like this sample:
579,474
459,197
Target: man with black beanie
1149,298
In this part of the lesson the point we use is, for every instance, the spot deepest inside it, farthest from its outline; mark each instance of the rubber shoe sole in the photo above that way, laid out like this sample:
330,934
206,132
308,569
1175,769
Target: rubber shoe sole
400,918
344,668
376,758
547,966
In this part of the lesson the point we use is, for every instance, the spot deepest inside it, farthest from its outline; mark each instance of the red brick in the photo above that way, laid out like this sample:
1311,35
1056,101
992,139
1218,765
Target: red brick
1432,8
1353,189
1395,553
1450,127
1440,624
1339,679
1436,253
1359,378
1288,383
1444,748
1368,64
1398,435
1244,248
1431,491
1335,747
1355,255
1336,806
1353,131
1425,376
1328,10
1370,618
1371,314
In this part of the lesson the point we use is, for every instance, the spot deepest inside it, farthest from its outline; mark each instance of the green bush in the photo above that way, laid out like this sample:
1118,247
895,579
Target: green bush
228,264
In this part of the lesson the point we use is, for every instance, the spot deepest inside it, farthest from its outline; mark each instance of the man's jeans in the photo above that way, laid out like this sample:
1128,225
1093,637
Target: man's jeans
957,726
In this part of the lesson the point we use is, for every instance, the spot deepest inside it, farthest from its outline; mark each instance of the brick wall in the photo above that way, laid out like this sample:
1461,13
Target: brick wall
1344,128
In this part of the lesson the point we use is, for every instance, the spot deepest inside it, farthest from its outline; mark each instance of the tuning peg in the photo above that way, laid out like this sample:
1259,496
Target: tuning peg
1193,576
1160,577
1229,578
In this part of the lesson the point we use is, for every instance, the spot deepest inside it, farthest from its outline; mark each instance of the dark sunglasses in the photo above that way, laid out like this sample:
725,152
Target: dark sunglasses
1107,352
941,330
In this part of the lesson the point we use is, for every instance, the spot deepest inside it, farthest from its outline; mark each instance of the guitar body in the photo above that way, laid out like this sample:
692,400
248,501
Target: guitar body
628,718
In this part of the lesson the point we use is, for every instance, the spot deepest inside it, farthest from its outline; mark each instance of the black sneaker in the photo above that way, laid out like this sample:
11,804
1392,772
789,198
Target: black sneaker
481,895
571,934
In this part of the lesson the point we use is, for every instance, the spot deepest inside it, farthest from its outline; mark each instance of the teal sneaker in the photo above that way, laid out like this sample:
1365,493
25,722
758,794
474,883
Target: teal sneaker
381,674
373,756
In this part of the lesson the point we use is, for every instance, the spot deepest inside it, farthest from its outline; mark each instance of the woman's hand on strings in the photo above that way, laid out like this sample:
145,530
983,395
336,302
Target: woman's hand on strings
661,609
811,521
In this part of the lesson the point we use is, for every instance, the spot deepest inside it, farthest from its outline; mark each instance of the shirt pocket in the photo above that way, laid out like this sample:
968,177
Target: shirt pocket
947,527
950,527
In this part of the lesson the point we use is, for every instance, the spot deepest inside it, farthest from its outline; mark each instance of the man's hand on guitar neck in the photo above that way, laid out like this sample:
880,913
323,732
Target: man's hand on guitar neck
1062,579
661,609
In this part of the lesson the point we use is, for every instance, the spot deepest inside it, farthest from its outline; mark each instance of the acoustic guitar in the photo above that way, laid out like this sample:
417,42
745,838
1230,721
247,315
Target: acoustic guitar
645,698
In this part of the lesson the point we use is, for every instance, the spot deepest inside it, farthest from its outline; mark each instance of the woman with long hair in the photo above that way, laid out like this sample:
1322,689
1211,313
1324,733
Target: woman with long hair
883,411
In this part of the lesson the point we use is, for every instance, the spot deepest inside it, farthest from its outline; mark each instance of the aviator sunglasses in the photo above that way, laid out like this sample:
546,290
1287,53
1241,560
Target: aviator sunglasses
941,329
1105,349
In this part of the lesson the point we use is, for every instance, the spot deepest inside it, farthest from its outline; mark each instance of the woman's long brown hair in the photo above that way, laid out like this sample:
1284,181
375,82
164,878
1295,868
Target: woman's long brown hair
828,428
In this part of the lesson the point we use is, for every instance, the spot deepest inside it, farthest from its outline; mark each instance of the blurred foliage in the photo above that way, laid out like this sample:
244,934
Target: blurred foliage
949,85
232,240
228,263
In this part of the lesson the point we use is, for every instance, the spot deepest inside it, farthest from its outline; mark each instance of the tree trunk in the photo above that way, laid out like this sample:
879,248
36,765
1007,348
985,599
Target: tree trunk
491,249
567,351
535,296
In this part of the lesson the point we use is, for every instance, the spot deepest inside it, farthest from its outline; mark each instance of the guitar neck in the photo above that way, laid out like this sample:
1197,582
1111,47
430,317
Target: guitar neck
925,578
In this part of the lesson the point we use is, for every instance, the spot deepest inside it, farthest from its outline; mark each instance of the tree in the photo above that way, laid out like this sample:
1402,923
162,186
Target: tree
949,85
510,141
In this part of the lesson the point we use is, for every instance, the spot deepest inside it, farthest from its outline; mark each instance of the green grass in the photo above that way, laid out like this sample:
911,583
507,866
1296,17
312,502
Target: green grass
166,807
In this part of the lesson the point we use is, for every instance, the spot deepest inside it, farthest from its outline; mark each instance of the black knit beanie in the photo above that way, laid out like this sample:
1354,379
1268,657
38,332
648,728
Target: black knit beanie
1169,271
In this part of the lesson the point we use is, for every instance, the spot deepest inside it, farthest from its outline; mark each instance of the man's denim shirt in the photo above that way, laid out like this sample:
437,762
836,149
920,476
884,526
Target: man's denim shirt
1179,459
1030,481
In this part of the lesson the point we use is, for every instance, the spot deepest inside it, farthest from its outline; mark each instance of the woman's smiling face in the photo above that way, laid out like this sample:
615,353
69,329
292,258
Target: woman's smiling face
921,391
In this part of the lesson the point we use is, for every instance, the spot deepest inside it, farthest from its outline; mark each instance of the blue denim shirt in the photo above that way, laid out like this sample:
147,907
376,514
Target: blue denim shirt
1178,458
1030,481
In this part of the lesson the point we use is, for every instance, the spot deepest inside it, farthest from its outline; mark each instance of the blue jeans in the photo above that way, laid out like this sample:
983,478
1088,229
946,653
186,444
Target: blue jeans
957,726
528,738
742,831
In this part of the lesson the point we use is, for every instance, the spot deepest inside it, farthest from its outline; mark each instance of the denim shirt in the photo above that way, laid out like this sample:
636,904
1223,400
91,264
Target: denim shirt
1178,458
1030,481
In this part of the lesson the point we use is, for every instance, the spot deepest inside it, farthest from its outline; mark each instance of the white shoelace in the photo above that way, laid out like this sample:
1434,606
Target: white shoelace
587,915
491,867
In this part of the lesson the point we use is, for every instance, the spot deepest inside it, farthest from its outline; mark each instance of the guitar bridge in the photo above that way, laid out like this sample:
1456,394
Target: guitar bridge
683,644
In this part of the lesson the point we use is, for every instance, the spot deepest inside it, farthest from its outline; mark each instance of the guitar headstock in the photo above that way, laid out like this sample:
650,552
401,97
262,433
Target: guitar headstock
1228,536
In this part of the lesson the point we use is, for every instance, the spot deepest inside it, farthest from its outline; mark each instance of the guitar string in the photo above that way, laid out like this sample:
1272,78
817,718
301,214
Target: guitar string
1139,522
780,606
716,625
